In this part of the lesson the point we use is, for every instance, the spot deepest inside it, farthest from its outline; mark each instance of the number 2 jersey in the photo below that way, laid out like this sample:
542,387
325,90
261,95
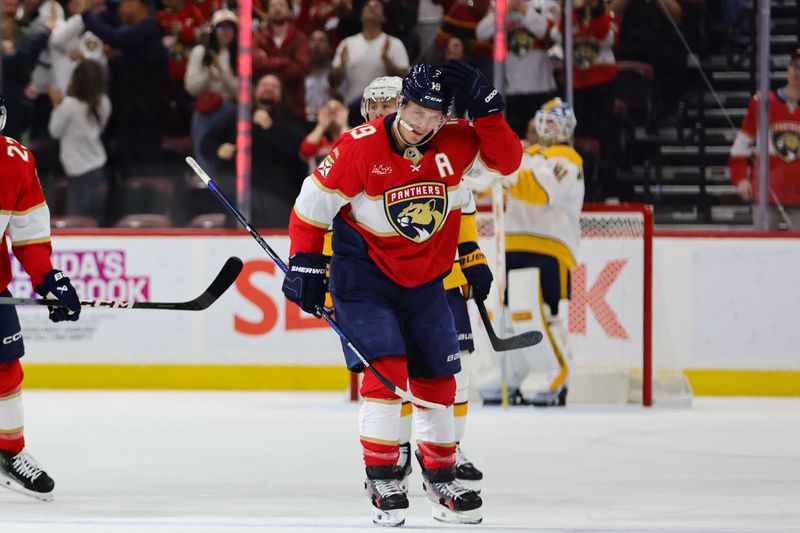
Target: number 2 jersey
404,205
23,214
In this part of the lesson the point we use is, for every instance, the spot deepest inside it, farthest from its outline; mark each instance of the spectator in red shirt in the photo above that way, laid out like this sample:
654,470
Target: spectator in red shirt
281,49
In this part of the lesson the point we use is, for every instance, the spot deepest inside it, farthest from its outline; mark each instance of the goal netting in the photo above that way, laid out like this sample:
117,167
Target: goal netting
610,315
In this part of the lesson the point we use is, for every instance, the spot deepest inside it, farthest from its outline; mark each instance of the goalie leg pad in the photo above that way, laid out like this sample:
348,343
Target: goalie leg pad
545,381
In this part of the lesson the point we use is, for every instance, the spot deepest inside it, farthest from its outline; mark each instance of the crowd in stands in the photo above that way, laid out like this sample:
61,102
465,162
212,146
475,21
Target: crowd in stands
111,94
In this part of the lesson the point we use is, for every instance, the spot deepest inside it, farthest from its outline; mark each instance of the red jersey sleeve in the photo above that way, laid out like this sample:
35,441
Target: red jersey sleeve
29,224
500,149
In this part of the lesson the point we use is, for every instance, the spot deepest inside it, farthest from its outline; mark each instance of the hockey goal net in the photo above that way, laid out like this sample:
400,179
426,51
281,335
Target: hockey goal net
609,316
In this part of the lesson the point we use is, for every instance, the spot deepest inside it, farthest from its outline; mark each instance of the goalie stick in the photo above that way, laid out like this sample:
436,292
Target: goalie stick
405,395
529,338
225,278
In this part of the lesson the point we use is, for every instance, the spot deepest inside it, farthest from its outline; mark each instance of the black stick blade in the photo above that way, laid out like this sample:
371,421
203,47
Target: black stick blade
230,271
523,340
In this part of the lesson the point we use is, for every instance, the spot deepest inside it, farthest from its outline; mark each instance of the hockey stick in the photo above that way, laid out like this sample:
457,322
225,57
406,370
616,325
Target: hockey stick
405,395
225,278
529,338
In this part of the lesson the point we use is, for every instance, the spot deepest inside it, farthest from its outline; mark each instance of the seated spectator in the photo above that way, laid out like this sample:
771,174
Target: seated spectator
281,49
277,170
211,77
77,121
138,75
331,123
361,58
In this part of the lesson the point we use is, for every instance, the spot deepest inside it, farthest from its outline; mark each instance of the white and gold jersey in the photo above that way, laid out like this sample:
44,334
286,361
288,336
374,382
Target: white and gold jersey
544,201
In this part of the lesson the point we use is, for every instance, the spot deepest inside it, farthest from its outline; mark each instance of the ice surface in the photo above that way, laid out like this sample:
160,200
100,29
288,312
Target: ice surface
237,462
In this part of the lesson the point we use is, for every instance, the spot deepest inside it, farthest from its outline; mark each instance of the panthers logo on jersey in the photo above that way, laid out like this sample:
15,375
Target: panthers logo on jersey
416,211
786,141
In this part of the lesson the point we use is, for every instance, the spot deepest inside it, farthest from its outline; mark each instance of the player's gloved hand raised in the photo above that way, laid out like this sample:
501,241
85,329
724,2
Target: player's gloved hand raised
483,98
56,286
305,282
476,270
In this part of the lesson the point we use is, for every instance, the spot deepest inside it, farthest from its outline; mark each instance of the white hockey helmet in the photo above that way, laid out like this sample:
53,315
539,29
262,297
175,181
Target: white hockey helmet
555,122
382,88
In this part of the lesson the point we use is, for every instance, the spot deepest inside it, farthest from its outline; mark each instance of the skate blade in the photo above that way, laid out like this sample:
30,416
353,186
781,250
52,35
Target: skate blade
393,518
13,485
470,484
444,514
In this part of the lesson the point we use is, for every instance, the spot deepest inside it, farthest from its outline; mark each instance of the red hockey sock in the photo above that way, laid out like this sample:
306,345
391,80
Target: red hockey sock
436,456
11,435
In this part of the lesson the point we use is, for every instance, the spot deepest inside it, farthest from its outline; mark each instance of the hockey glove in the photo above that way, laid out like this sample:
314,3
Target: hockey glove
476,269
56,286
482,98
305,282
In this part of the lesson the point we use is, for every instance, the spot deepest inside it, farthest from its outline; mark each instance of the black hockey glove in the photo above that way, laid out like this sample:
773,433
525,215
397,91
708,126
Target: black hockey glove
305,282
482,98
56,286
476,270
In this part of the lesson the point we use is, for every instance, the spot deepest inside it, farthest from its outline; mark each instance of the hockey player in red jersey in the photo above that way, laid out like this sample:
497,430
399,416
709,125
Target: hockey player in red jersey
381,98
393,191
784,151
25,217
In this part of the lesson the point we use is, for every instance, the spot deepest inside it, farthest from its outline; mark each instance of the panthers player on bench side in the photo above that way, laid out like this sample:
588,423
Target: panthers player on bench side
24,214
393,191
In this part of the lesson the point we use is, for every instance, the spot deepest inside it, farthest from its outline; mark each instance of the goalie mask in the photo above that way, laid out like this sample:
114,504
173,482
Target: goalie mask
424,87
380,89
555,122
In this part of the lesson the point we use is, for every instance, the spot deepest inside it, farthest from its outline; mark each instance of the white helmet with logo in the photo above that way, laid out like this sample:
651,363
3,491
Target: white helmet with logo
555,122
382,88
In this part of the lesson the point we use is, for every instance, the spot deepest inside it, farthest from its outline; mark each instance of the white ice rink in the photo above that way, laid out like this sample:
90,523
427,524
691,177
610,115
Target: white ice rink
239,462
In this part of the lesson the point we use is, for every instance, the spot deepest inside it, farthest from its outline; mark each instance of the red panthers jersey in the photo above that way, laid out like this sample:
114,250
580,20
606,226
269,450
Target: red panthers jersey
784,149
406,207
23,213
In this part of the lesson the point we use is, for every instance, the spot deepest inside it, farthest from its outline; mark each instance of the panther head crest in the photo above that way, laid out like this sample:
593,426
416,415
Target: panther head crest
422,217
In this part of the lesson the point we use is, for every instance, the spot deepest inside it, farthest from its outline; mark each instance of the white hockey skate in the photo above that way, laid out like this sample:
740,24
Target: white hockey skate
403,466
450,501
21,473
387,498
466,473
